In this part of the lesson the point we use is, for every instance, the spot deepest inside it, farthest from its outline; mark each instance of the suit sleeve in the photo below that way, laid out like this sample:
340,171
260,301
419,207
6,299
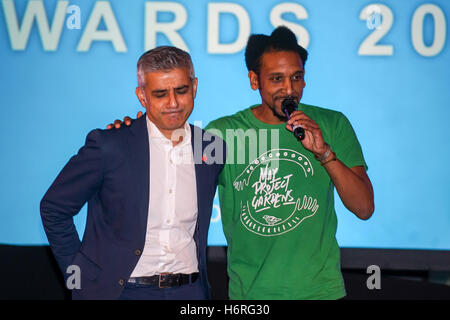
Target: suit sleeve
78,181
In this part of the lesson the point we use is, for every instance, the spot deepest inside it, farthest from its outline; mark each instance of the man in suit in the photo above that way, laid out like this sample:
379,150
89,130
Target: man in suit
149,189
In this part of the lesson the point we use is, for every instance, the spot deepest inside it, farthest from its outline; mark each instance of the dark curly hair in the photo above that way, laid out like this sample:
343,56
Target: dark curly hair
281,39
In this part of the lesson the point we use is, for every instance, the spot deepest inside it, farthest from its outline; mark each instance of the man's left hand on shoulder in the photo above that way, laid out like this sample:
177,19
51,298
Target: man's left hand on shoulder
126,120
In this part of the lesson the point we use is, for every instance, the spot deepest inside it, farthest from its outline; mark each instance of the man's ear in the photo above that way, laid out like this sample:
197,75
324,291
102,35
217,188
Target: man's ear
194,87
304,82
140,94
254,82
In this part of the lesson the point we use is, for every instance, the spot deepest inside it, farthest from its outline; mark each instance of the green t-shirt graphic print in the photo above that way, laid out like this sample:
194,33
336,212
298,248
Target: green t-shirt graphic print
277,207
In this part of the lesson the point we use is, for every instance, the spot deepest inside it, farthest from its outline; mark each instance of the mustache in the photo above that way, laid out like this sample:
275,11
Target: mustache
170,111
292,97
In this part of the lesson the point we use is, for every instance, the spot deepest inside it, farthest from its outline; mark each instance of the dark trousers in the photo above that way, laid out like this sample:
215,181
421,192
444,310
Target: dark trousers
191,291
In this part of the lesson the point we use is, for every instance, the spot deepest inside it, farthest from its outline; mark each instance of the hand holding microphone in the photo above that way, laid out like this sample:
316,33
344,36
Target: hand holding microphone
313,140
288,106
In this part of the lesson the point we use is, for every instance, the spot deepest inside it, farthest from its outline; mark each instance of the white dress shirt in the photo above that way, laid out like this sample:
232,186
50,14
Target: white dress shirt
172,213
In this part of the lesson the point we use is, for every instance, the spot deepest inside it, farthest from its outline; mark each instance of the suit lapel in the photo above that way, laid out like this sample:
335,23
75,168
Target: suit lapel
197,150
140,168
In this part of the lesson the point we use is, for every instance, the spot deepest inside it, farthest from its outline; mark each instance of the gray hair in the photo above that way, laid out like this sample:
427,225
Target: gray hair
163,58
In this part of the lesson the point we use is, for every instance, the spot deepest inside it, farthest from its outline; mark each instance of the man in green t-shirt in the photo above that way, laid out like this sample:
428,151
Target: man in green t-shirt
276,192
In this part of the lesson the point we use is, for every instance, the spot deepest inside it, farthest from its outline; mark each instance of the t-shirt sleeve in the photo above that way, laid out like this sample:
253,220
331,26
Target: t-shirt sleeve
346,145
215,127
212,125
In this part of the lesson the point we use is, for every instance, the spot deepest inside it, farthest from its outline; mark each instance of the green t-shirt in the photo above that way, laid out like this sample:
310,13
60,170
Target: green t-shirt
277,206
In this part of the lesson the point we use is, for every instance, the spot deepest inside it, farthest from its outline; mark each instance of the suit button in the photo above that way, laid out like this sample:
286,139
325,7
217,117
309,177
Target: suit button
121,282
138,252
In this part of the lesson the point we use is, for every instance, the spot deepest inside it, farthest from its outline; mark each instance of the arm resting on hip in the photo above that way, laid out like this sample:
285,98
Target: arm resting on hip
79,180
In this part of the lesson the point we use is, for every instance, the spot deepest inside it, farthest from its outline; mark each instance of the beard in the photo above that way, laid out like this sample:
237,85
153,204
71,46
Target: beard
276,113
281,117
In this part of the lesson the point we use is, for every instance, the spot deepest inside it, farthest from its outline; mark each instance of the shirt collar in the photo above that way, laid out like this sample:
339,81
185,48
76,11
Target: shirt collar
154,133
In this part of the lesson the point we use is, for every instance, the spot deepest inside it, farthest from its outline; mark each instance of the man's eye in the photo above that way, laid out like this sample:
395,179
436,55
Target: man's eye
297,77
182,91
277,79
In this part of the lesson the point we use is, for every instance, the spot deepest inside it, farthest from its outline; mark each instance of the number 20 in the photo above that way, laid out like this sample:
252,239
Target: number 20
370,46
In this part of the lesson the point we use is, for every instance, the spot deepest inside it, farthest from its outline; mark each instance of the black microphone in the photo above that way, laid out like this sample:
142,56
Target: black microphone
288,106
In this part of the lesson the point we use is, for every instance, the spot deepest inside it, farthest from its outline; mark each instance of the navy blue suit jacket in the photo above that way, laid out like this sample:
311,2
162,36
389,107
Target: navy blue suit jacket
111,173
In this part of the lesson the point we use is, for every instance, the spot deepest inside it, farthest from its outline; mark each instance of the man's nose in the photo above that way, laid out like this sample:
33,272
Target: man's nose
173,101
288,86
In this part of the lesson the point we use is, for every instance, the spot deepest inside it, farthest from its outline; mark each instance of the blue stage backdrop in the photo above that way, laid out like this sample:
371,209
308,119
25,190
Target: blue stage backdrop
69,66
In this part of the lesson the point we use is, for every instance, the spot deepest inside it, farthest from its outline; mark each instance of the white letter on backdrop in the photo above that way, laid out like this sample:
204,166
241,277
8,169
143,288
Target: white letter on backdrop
214,11
152,26
35,10
102,9
300,13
